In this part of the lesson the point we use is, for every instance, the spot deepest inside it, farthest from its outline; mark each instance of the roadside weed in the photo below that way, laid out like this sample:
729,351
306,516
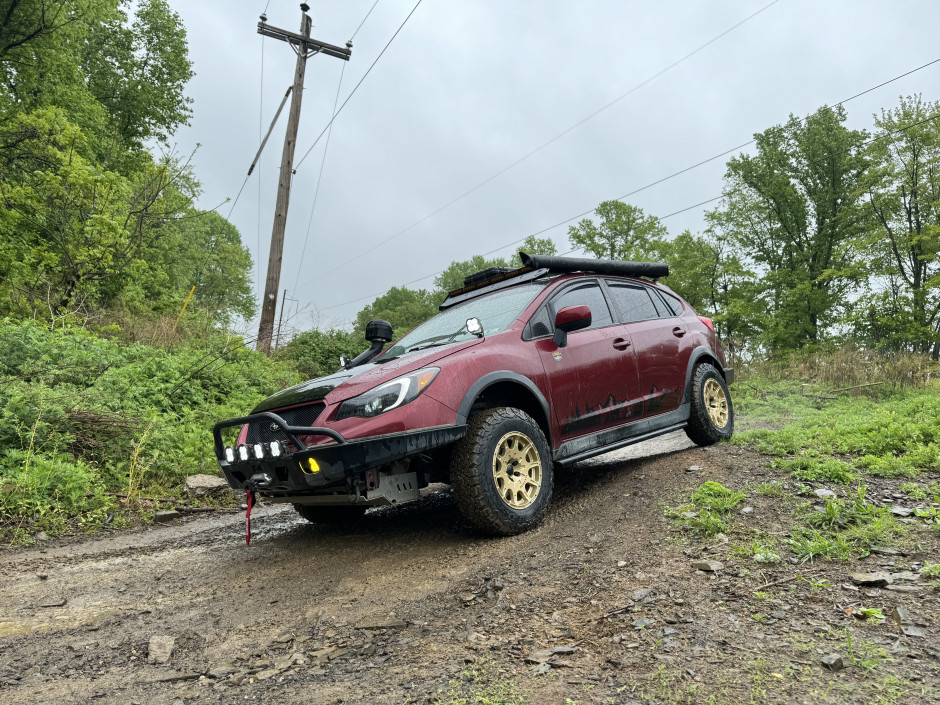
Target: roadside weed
717,497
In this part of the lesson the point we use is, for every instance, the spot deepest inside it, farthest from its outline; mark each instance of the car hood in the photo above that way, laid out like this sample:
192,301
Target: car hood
346,384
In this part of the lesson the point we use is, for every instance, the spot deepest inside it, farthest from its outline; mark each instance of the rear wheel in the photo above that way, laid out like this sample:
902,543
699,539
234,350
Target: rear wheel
329,514
711,418
502,472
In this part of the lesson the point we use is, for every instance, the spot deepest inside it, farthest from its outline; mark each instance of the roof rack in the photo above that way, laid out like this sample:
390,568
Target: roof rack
535,266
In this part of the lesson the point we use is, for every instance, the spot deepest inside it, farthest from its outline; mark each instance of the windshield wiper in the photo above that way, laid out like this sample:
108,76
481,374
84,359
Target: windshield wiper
429,345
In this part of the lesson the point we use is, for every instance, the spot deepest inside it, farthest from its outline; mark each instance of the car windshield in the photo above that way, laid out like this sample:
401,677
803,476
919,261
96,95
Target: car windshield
495,311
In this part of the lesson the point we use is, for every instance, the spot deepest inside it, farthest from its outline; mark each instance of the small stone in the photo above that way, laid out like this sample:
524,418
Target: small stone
621,564
707,566
55,602
901,511
160,649
688,514
778,614
387,622
540,656
913,631
42,576
41,536
871,579
669,631
694,468
833,662
165,516
823,493
220,670
886,551
563,650
642,623
746,510
638,595
900,615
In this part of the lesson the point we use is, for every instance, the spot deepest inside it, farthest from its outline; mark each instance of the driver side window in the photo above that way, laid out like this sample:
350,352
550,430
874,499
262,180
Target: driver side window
585,294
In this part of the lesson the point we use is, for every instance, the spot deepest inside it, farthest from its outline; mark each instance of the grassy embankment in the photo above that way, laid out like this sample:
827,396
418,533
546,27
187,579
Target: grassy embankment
93,425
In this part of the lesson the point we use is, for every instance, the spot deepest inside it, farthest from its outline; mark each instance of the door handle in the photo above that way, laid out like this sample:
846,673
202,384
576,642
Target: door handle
678,332
621,343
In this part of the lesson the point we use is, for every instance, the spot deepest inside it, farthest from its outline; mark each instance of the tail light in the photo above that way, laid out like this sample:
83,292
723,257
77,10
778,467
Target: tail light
707,322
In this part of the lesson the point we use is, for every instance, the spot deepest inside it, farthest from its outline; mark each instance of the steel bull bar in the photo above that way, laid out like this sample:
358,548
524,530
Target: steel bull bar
306,468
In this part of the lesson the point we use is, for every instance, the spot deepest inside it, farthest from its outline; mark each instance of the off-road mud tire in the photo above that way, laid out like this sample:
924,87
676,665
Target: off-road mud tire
472,478
329,514
702,428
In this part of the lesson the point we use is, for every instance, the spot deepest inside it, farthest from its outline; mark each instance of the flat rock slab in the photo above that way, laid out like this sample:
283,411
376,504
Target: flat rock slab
833,662
163,517
823,493
382,623
880,579
206,485
160,649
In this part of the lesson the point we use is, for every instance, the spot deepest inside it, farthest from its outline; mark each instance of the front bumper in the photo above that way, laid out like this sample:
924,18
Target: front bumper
305,469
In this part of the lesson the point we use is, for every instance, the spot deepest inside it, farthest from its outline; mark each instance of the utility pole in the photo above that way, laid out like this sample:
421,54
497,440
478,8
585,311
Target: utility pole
303,46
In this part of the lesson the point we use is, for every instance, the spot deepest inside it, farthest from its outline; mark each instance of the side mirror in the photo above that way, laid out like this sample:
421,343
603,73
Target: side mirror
568,320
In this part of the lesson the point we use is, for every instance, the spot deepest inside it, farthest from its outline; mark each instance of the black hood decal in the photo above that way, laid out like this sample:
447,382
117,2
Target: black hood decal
311,390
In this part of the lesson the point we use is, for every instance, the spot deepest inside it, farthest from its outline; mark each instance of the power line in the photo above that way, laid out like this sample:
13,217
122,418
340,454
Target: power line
353,92
316,192
364,20
557,137
930,118
634,191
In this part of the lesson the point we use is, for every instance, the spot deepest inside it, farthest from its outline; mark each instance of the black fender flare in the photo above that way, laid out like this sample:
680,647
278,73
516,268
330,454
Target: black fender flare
491,378
696,356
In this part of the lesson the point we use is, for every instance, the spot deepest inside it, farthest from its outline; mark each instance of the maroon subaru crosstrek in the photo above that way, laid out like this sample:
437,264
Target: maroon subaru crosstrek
522,370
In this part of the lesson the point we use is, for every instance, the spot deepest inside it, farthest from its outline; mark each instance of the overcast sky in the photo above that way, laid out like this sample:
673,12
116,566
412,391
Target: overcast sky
468,88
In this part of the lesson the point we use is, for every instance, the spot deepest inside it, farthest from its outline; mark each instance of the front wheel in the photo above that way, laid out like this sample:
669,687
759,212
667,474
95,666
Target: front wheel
711,418
502,472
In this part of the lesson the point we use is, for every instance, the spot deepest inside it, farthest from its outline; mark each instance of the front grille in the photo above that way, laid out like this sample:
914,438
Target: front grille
267,431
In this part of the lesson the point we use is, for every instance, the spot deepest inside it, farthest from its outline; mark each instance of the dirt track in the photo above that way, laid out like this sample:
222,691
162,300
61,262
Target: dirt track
410,606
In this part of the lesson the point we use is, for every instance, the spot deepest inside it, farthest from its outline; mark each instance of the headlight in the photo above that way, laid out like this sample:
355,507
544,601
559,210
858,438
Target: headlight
230,455
388,396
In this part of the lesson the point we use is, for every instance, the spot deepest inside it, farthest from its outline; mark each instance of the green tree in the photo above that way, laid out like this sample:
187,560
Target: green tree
315,353
71,223
902,188
138,71
534,245
452,277
793,207
625,233
404,308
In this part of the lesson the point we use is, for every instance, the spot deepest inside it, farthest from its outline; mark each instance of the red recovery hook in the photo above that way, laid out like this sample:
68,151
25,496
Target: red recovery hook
251,500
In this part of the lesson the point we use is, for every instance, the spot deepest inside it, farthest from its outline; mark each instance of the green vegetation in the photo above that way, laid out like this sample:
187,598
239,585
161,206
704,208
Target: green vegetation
482,683
82,415
707,511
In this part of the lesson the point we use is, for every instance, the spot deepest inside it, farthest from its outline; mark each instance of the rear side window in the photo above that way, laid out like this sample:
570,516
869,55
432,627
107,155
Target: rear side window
672,302
633,302
586,294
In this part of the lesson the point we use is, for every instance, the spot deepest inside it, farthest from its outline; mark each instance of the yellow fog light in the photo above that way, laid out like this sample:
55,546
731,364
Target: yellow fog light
309,466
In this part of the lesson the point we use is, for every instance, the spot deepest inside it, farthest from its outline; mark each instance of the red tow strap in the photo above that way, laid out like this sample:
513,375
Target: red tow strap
251,500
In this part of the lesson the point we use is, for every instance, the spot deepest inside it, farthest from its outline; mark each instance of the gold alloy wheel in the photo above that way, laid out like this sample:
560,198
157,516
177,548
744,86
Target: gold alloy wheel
716,403
517,470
